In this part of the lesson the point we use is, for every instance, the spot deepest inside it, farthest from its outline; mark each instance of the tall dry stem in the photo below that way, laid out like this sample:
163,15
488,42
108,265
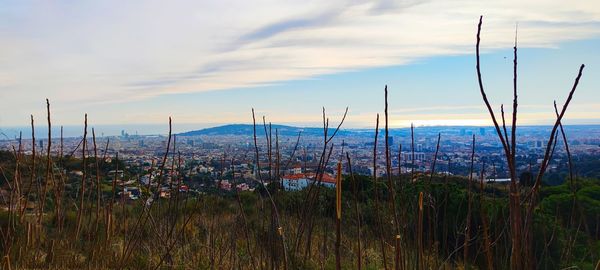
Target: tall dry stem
357,210
338,216
376,190
82,188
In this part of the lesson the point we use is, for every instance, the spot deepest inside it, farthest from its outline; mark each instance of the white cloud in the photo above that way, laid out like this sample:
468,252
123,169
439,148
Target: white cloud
109,51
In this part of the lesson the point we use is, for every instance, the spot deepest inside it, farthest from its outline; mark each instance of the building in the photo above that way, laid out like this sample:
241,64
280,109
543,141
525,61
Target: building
243,187
224,184
296,170
133,193
407,157
302,180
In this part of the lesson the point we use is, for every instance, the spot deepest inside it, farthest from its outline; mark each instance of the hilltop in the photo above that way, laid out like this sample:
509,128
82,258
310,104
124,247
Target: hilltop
248,130
285,130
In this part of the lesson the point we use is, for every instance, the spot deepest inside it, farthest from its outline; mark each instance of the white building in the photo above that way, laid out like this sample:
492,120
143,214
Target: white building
301,180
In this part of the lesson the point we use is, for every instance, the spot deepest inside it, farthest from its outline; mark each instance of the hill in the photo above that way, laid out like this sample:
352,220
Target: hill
248,130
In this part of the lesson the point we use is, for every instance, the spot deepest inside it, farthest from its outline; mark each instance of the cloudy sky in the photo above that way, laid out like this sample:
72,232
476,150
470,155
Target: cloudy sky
209,62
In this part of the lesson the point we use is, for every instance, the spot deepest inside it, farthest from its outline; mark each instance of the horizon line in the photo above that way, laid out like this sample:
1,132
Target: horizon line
42,137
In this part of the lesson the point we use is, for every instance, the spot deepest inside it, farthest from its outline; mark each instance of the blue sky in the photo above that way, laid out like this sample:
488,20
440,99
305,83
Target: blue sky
427,92
209,63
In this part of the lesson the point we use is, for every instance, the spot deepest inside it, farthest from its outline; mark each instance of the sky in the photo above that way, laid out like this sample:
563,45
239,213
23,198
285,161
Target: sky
206,63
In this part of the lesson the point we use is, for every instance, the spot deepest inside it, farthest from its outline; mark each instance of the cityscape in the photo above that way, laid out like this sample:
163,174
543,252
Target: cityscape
300,135
223,156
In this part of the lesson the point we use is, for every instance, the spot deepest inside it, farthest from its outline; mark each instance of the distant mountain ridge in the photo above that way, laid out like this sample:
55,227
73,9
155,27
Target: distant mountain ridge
284,130
245,129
